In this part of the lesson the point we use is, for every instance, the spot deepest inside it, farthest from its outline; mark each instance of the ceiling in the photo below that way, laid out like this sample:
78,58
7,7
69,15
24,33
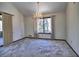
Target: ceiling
28,8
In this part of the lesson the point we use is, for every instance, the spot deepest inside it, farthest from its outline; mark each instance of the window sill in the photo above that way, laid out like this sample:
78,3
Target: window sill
43,33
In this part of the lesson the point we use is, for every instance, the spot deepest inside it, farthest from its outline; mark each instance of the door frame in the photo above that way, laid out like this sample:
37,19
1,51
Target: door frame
2,27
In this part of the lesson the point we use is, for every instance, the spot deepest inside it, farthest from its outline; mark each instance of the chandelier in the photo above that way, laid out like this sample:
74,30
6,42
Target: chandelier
37,14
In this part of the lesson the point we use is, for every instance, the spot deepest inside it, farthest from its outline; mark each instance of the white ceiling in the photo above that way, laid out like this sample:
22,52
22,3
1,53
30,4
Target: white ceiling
28,8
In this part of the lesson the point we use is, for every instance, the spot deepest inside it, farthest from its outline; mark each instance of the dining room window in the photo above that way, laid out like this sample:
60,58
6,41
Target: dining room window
0,25
0,22
44,25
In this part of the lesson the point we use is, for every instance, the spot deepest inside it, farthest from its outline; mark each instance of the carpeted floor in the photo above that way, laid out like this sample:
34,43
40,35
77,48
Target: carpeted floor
1,41
37,48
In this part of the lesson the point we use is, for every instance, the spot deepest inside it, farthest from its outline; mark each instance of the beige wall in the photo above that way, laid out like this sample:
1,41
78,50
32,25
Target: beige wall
17,20
59,25
28,26
73,25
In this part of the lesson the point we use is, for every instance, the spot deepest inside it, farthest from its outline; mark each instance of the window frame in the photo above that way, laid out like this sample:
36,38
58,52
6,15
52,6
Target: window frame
44,27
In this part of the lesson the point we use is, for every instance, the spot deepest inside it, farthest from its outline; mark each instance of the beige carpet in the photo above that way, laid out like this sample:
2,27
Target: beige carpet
37,48
1,41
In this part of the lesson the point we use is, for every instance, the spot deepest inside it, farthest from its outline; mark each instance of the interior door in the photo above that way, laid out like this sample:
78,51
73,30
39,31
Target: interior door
7,28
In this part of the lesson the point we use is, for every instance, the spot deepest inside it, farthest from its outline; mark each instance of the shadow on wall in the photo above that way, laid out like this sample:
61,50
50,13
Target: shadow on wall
1,34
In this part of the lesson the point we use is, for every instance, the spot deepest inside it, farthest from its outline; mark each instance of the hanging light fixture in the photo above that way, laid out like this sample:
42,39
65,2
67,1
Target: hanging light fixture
37,14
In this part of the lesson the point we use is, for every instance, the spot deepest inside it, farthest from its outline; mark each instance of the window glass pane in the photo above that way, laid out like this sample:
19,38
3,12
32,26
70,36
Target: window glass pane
40,25
44,25
0,25
47,25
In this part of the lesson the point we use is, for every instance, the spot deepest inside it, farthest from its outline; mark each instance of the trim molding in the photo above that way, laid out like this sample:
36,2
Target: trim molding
18,40
13,42
45,38
72,48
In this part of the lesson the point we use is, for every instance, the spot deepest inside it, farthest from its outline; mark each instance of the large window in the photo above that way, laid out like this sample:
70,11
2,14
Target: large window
0,25
44,25
0,22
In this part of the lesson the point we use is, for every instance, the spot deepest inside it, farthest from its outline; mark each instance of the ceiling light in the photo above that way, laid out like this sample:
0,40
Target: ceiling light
37,14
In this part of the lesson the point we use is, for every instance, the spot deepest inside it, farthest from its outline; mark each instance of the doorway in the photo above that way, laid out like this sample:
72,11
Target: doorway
6,34
1,31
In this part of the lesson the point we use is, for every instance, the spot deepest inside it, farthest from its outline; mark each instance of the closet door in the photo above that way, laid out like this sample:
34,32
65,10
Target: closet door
7,28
